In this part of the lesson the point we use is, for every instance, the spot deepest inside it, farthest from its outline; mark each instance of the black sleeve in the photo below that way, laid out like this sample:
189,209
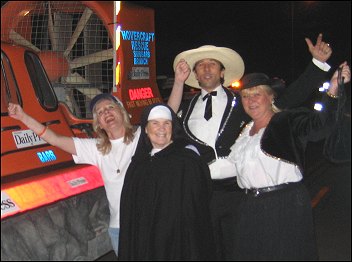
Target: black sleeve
337,147
325,120
301,89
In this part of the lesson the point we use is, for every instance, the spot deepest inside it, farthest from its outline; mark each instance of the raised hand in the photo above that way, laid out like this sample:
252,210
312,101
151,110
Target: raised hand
321,50
345,73
182,71
16,111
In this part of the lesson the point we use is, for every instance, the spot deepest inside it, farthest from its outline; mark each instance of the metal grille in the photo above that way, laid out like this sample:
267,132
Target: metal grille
73,45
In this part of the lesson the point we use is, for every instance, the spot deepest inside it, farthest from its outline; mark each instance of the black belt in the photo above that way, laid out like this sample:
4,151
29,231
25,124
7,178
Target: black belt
259,191
227,184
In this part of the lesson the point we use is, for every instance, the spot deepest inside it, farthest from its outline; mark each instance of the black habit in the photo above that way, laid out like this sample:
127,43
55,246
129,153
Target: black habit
165,205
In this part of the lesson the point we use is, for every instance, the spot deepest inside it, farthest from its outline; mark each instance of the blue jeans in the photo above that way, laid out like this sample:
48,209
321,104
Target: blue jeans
114,236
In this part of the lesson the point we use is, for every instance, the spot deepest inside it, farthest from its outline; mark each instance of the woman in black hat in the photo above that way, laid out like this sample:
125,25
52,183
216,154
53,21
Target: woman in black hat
165,198
275,217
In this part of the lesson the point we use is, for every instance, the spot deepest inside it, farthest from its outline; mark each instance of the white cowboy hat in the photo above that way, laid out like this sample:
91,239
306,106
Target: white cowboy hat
232,61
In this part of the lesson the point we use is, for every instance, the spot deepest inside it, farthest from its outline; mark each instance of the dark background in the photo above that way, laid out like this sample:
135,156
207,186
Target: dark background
269,35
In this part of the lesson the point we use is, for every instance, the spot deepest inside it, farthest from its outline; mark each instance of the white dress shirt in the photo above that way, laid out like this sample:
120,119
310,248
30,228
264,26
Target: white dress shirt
207,131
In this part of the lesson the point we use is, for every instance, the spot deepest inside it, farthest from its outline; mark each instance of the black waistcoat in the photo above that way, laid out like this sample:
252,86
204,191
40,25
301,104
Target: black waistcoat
233,120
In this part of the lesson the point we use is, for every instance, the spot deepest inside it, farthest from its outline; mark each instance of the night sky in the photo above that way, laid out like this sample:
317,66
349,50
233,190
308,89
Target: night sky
268,35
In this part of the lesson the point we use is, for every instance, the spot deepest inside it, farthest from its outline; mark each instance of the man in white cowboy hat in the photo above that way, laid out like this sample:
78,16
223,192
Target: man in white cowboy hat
214,118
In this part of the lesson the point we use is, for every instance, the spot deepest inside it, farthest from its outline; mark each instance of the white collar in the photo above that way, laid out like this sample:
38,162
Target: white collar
155,150
218,89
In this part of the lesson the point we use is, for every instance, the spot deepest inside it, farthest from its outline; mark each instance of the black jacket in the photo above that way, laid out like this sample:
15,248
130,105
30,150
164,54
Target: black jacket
288,132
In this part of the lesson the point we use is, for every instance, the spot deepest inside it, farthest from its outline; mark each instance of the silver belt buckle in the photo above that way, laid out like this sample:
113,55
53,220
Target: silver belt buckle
256,193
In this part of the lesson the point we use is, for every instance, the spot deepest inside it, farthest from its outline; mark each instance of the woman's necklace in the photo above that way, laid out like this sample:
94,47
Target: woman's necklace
123,145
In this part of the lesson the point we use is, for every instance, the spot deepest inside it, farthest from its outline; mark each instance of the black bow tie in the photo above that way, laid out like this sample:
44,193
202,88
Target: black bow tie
214,93
208,112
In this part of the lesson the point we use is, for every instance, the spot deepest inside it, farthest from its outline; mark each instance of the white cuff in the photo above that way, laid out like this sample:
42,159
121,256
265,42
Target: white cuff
323,66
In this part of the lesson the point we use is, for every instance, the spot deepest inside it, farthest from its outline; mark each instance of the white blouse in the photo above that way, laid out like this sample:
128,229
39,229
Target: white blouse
254,168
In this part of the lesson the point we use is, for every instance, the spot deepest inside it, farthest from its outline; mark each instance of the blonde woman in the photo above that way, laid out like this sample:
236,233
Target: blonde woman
275,219
111,151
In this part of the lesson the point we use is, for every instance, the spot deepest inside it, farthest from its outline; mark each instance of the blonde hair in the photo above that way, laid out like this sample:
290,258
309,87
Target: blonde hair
265,88
104,144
